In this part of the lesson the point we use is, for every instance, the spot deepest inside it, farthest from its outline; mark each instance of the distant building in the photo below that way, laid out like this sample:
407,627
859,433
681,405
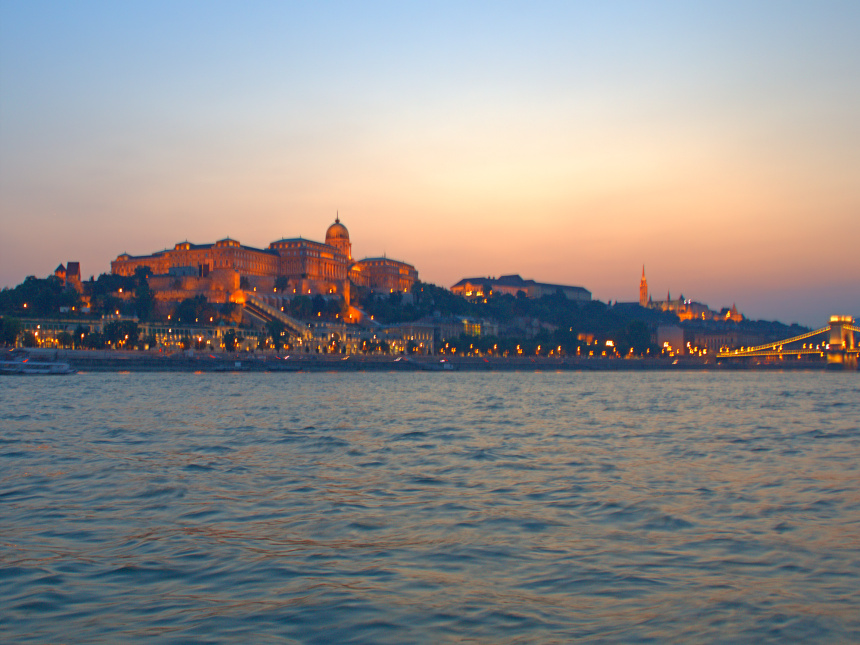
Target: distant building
513,284
670,338
222,270
384,274
683,308
691,310
70,275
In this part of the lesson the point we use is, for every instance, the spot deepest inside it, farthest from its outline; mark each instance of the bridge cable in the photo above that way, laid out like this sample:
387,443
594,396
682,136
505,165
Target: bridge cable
774,344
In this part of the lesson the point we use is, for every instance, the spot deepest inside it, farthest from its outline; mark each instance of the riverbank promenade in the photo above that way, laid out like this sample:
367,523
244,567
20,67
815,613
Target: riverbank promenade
194,361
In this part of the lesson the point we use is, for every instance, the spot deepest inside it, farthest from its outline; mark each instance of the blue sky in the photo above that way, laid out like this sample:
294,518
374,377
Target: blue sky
716,143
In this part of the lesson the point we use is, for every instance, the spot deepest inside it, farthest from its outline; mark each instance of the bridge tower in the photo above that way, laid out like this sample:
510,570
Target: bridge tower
842,352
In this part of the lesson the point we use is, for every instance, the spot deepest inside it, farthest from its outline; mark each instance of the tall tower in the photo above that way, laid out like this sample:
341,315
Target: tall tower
643,289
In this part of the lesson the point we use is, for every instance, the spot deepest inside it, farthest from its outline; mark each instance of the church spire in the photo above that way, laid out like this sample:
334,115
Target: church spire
643,290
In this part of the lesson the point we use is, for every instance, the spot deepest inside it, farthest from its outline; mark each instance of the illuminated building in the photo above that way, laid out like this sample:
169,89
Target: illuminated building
691,310
384,274
222,271
513,285
685,309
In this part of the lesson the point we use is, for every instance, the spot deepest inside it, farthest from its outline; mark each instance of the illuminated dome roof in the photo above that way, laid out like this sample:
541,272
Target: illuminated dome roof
336,231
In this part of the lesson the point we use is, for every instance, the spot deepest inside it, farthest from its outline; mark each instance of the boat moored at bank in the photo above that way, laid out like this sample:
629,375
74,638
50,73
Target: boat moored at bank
20,363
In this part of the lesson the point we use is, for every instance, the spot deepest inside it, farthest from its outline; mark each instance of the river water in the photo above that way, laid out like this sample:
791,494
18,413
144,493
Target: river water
430,507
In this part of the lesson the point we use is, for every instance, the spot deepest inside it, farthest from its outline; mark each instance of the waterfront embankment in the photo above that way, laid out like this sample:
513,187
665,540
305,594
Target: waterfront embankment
154,361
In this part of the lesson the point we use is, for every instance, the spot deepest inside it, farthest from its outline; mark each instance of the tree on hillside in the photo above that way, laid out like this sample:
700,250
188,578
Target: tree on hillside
38,297
333,307
318,304
230,340
190,310
301,307
109,283
121,333
79,336
106,305
94,340
10,328
282,283
636,336
275,329
143,299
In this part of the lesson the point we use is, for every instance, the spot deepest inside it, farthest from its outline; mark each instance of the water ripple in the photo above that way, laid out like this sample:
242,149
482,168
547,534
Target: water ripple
431,508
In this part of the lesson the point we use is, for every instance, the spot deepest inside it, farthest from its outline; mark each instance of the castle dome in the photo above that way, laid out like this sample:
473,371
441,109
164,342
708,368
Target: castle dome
336,231
338,237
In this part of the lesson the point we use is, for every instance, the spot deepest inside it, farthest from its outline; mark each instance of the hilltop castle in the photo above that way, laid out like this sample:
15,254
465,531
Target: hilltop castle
222,270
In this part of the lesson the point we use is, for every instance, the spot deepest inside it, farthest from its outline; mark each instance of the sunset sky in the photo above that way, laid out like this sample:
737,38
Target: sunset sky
716,143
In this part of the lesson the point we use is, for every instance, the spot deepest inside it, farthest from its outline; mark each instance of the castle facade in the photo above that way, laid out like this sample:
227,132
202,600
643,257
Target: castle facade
223,270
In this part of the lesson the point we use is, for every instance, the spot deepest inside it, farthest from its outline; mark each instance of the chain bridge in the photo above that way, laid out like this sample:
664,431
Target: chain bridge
836,342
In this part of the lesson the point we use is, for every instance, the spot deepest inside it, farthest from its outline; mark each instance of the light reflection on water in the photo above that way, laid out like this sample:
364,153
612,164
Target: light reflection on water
524,507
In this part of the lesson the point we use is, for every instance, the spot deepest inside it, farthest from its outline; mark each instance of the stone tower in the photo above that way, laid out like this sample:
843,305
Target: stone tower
643,289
